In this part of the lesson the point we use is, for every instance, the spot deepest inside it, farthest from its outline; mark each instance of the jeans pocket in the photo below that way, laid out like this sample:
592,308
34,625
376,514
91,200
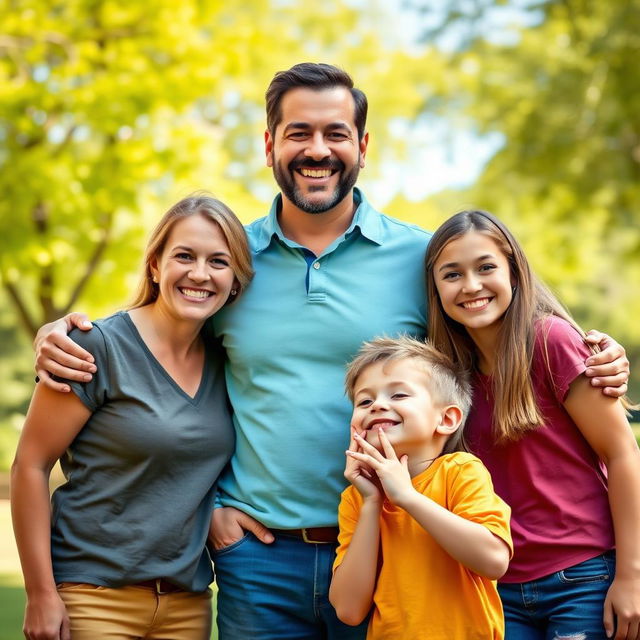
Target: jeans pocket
234,545
592,570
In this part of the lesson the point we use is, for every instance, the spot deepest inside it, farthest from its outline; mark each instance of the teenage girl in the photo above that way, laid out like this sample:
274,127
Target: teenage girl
560,452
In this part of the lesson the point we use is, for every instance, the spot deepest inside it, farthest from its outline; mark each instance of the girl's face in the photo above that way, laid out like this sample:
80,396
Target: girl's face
474,282
194,272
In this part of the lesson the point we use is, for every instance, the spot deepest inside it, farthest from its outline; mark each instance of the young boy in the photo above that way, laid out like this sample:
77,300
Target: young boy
423,536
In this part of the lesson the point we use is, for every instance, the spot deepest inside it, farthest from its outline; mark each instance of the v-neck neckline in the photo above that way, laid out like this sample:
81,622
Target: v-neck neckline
195,399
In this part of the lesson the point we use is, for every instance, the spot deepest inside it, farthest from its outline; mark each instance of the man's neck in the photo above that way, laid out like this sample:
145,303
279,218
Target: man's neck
316,231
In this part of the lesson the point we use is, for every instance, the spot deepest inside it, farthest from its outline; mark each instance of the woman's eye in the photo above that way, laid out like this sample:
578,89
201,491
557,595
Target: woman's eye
183,256
219,262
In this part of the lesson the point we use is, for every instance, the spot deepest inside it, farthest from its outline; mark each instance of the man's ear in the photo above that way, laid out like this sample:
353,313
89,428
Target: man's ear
363,148
268,147
450,420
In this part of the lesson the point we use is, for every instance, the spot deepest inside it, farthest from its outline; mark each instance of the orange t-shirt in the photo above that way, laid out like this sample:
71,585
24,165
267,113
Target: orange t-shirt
421,591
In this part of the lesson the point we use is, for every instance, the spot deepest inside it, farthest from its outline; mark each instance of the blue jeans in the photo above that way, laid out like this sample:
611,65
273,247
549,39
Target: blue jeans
565,604
278,591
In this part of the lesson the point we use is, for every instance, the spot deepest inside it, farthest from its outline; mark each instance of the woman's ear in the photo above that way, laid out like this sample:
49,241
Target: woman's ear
450,420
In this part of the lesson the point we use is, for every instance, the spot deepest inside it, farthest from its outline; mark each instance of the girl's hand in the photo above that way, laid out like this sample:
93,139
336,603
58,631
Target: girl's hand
359,474
392,473
622,609
46,618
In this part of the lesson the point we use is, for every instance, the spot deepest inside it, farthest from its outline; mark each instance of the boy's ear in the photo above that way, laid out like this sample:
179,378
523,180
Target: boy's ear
450,420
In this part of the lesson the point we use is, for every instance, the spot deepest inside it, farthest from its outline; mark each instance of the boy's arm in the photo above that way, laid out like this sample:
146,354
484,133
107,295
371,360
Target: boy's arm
57,354
354,580
470,543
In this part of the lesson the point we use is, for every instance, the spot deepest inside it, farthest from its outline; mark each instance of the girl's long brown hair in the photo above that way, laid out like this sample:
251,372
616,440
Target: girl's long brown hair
515,410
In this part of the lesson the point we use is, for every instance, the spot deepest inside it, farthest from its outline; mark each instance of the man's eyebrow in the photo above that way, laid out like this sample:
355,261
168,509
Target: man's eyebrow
305,126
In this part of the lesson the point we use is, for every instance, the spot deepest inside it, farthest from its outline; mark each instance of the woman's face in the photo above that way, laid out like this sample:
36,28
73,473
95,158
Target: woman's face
194,273
473,281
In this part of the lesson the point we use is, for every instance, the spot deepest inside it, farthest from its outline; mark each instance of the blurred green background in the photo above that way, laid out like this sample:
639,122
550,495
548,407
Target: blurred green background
111,110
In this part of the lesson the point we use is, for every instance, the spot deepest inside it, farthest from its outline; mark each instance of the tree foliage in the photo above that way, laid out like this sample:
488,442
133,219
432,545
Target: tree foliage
562,90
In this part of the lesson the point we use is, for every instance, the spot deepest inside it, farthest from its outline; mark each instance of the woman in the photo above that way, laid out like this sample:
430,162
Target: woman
122,551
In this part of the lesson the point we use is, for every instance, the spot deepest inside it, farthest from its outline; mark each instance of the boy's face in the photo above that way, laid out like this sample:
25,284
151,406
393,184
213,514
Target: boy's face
394,396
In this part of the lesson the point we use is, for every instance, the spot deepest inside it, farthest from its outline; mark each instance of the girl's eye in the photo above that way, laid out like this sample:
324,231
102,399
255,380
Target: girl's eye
487,267
452,275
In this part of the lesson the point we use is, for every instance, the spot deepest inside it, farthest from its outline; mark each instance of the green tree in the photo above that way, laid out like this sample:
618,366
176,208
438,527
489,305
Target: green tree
562,90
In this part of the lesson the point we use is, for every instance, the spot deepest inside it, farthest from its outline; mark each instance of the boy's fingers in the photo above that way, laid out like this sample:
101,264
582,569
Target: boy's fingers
368,448
386,445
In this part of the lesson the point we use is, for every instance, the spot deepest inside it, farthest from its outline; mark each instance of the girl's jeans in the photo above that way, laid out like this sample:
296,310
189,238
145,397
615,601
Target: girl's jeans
566,605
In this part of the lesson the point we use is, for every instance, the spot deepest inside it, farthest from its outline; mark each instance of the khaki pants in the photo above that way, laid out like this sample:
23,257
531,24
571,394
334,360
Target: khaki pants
131,612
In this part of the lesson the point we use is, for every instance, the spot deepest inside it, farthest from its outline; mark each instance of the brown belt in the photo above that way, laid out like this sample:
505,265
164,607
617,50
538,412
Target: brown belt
314,535
159,585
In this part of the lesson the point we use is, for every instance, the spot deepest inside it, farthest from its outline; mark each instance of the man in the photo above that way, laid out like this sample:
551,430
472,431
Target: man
330,272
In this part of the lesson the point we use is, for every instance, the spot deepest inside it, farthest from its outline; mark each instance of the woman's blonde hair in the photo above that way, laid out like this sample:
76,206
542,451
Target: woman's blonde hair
214,210
516,410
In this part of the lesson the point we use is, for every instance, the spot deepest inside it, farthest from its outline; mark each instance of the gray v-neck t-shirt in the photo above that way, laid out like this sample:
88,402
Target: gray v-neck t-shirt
141,472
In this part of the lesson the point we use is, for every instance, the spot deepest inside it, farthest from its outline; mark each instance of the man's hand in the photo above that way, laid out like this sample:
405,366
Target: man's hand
57,354
609,368
228,525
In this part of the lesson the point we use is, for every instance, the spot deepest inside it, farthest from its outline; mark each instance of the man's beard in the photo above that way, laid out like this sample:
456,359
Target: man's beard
291,191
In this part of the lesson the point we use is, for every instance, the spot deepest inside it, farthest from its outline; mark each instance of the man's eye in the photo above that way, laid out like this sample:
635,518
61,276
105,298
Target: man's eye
338,136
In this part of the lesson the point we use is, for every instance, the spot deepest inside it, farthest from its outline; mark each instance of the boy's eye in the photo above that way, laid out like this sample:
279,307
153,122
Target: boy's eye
364,403
399,395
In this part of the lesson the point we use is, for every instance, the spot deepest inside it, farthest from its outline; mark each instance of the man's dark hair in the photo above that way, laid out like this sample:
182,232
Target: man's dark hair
315,76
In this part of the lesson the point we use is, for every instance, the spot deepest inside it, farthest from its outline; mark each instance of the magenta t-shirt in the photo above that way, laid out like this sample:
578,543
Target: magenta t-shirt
551,478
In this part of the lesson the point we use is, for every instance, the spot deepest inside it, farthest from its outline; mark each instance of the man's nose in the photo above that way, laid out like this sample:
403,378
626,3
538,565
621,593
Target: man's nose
317,148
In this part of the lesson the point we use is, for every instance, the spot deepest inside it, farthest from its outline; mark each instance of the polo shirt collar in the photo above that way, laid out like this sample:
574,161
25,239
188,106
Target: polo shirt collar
366,220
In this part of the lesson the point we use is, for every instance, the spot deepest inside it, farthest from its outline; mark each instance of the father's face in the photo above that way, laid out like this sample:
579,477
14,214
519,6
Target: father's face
315,152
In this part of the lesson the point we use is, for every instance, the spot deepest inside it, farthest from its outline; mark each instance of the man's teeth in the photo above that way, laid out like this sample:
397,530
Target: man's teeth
195,293
475,304
316,173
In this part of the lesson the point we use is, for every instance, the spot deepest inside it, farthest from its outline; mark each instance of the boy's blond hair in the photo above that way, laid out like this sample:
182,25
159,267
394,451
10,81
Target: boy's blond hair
448,384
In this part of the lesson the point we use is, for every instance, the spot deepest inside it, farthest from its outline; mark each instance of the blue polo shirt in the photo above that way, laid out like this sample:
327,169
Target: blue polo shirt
287,341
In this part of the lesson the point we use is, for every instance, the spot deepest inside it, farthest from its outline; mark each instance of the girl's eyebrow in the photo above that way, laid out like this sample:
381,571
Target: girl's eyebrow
453,265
